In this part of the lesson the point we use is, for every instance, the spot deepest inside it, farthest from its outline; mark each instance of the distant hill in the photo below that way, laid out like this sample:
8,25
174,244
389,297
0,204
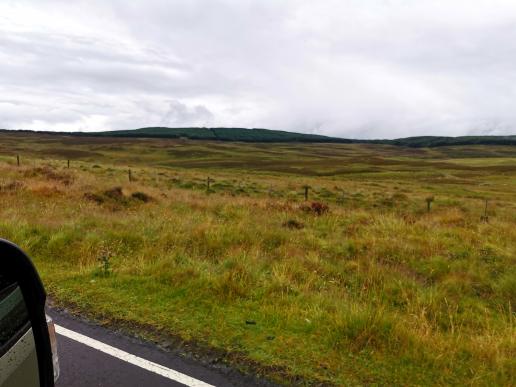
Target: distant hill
435,141
268,135
221,134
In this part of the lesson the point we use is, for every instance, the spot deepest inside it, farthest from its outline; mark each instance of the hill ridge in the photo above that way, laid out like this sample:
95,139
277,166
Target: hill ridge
269,135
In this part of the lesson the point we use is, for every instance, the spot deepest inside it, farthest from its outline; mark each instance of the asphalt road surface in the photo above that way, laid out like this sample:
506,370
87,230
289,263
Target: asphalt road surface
91,355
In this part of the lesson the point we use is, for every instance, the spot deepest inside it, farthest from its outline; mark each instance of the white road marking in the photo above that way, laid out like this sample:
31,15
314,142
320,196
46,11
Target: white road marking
132,359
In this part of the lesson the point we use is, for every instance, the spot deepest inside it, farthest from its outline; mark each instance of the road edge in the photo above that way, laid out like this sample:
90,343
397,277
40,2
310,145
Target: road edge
233,365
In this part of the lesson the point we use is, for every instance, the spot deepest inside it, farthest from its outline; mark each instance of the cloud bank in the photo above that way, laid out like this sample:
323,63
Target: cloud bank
349,68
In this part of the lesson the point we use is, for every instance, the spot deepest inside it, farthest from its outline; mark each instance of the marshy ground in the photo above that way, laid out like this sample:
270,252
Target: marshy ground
358,284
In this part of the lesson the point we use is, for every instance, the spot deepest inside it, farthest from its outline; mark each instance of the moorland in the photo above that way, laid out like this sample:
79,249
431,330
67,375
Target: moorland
309,263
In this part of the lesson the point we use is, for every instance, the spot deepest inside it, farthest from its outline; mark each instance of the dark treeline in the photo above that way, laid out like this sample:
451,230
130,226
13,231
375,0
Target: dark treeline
435,141
222,134
267,135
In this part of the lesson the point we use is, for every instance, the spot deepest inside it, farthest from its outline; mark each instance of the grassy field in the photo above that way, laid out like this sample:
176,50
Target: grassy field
358,285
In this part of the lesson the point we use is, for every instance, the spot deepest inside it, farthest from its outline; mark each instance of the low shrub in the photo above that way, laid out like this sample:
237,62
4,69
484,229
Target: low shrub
114,193
94,197
141,196
49,173
293,224
316,208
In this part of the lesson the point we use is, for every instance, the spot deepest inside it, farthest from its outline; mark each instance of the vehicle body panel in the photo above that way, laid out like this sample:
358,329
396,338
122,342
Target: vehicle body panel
19,365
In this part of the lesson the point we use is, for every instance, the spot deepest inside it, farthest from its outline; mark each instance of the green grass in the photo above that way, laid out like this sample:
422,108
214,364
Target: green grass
376,291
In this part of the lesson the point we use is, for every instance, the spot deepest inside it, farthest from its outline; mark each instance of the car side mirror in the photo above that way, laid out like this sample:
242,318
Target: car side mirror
25,344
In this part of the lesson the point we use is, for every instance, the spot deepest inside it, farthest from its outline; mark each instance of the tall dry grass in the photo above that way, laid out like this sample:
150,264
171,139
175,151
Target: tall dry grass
376,290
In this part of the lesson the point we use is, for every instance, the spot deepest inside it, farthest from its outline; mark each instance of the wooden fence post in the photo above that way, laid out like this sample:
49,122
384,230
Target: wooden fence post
18,160
306,187
485,218
429,201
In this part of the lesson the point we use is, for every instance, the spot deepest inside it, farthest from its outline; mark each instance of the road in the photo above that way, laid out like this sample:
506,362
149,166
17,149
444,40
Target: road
90,355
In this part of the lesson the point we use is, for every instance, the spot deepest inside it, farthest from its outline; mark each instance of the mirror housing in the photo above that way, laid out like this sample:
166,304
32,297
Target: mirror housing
16,265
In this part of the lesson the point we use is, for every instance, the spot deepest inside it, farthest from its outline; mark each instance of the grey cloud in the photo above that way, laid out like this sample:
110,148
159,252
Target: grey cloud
347,68
179,113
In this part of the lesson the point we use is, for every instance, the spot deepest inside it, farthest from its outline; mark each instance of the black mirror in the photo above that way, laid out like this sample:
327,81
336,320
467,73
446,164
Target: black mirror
26,353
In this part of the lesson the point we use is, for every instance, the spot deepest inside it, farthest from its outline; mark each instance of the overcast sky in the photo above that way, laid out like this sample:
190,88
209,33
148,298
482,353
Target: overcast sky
349,68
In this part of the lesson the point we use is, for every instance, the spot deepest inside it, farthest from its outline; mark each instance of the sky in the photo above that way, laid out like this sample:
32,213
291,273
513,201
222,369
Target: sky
346,68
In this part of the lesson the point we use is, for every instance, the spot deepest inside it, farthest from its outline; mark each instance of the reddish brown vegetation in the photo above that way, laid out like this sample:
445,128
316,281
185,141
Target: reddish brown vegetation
316,208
